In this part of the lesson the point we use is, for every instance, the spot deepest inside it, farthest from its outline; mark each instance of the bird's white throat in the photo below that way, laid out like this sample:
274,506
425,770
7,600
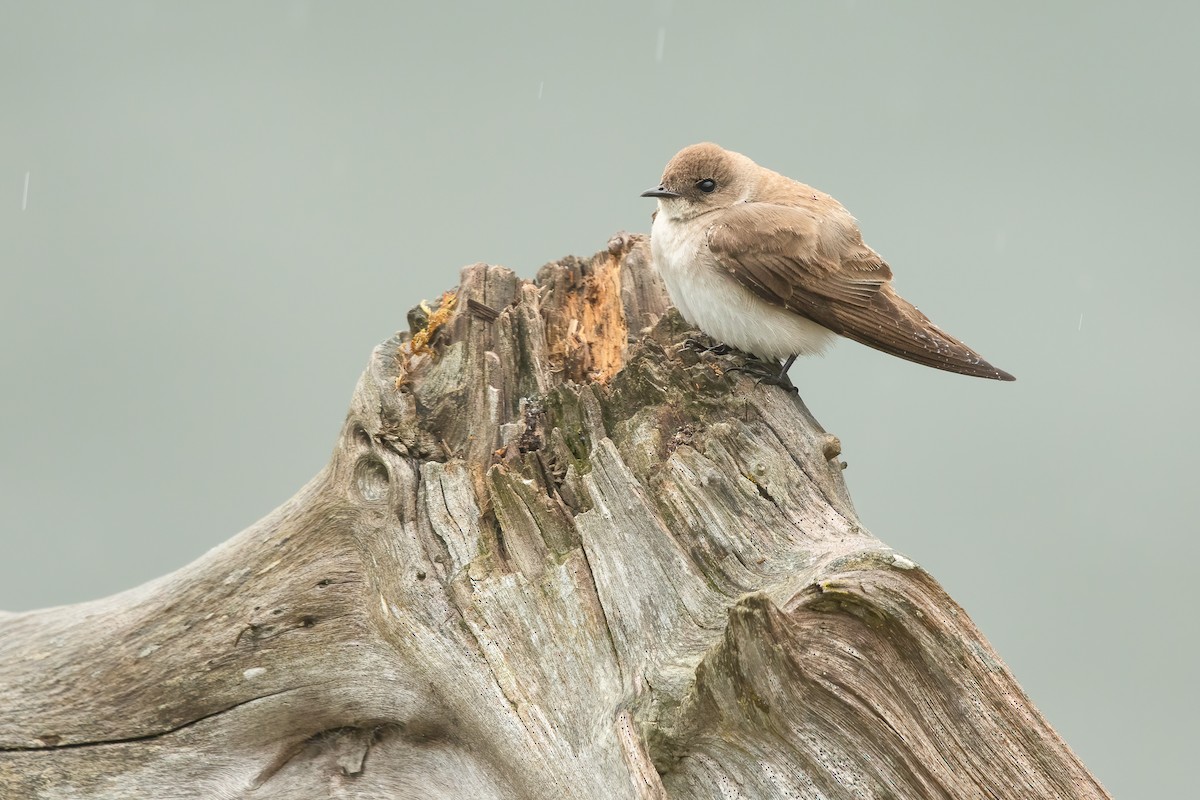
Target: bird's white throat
711,299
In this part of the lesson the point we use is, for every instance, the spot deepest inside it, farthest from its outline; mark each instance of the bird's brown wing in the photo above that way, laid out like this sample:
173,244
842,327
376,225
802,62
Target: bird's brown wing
813,261
784,252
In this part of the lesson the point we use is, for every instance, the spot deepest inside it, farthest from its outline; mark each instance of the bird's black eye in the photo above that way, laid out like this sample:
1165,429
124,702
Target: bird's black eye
708,185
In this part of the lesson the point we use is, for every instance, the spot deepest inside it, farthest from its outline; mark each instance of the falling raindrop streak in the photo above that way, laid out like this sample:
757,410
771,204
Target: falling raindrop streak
25,193
662,41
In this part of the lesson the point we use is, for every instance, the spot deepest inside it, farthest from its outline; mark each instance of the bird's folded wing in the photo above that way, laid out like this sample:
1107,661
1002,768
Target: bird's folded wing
783,253
814,263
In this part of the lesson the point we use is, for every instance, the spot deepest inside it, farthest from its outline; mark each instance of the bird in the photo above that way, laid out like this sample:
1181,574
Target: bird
776,269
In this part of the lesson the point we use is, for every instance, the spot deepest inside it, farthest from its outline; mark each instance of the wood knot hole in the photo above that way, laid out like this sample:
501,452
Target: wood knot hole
371,478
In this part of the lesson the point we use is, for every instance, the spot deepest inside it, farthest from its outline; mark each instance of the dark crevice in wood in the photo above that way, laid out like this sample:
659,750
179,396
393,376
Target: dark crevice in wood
148,736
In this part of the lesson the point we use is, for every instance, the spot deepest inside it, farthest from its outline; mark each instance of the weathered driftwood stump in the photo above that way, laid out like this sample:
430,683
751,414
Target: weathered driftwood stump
554,555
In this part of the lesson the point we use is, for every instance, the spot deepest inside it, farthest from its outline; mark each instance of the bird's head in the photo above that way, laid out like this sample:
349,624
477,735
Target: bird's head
701,178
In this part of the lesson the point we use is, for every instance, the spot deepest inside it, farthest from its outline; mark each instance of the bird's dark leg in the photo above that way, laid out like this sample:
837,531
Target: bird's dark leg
766,374
782,378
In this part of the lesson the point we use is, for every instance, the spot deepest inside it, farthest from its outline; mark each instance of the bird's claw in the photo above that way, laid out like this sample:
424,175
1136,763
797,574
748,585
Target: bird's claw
765,375
782,381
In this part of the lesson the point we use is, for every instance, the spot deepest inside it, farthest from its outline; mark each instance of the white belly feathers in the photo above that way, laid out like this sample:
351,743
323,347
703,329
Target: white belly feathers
711,299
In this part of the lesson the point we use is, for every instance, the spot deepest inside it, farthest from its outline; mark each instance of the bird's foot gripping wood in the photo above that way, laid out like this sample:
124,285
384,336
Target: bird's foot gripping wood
766,372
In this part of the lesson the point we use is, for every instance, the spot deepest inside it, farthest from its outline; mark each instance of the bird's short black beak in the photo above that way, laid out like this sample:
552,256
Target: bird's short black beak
659,191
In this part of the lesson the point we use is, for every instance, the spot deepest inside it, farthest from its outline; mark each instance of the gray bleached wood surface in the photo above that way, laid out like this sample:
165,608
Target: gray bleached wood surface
554,555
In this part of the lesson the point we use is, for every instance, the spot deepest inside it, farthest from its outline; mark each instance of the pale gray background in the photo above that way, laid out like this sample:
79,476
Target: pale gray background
229,204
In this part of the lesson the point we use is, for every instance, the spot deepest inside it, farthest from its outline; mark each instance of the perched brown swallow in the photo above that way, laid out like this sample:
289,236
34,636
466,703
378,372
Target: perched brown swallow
773,267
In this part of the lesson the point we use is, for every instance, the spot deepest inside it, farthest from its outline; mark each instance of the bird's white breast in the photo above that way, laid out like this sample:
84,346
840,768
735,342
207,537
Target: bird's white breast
711,299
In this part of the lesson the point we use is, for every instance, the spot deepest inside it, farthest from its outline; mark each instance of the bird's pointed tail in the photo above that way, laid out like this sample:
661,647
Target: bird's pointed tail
892,324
